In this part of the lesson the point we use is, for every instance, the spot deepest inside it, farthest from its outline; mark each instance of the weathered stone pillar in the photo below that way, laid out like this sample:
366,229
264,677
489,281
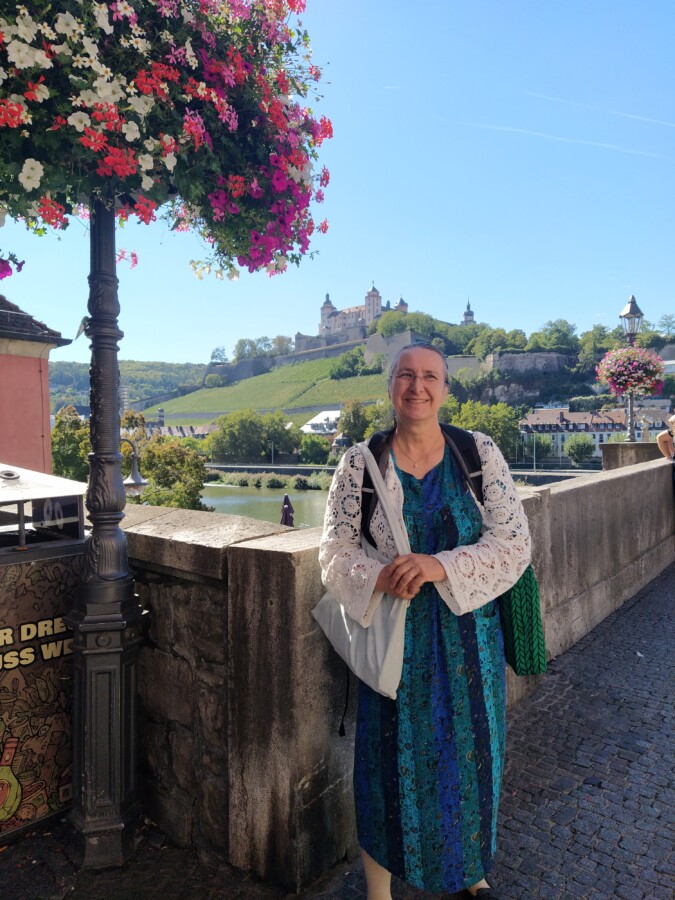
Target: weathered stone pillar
628,453
291,807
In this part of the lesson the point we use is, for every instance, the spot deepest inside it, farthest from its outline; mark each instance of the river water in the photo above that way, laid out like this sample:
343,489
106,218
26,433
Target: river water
265,503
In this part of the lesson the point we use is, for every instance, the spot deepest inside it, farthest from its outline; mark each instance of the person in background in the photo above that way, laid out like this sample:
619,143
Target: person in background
428,765
665,439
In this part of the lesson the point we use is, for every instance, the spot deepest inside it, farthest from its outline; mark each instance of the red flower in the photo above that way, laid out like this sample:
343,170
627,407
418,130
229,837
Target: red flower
94,140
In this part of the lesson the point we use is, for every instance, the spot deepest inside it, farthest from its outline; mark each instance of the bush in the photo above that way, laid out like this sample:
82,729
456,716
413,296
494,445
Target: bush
300,483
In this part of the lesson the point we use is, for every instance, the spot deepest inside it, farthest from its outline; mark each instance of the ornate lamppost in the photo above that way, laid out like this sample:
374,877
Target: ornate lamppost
106,613
631,318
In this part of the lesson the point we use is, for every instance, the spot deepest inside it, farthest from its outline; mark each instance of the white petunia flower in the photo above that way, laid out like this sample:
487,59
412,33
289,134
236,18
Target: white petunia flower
47,31
145,161
140,44
31,174
190,55
170,161
3,215
62,50
41,93
101,13
66,24
233,273
79,121
91,47
25,57
141,105
147,183
108,91
26,28
101,69
3,75
82,62
131,131
151,144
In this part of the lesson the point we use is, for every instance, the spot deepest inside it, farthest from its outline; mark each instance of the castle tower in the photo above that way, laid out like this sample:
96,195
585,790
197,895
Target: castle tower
468,315
401,306
373,305
327,310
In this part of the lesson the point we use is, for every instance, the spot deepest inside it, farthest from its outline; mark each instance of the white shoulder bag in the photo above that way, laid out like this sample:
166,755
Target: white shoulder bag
374,654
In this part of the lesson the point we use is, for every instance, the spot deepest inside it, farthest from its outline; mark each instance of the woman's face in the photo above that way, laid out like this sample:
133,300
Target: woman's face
417,388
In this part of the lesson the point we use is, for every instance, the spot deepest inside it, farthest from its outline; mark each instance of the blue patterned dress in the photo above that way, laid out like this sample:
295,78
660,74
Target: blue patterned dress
428,765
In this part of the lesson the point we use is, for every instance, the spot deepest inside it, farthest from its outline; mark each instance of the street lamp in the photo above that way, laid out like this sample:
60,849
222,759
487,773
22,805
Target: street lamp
631,318
134,483
106,613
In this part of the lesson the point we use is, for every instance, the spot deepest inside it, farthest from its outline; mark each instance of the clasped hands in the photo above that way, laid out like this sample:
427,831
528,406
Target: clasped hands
404,576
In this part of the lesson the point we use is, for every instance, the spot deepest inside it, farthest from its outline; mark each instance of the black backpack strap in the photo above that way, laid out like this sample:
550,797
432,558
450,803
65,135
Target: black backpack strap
463,446
379,445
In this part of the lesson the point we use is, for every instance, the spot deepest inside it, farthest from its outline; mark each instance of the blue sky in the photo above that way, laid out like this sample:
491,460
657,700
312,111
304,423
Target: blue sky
520,155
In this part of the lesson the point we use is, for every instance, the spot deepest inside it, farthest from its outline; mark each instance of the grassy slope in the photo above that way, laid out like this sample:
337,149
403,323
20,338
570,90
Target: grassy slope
288,387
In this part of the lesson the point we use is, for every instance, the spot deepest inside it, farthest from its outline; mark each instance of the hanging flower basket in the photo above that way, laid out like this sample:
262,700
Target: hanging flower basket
194,107
631,369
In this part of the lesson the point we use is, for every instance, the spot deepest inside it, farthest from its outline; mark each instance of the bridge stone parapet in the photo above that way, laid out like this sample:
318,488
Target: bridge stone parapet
242,697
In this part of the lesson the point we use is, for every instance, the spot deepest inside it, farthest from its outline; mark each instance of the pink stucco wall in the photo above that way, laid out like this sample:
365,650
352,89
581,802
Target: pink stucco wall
24,413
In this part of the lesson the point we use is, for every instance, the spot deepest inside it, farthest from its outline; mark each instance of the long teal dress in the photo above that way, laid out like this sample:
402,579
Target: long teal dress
428,765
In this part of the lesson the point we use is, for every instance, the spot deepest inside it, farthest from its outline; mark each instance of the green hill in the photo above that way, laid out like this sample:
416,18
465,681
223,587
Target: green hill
295,387
69,381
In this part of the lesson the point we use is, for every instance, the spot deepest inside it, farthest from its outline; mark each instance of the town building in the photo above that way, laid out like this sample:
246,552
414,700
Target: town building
25,436
334,321
560,423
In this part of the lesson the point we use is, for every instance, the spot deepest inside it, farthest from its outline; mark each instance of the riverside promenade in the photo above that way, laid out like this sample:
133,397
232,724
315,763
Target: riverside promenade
588,807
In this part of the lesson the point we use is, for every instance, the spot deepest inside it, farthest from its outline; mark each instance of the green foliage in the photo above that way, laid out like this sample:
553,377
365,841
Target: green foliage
594,344
218,355
499,422
250,348
176,474
449,410
354,421
491,340
667,327
353,363
558,335
668,386
275,431
70,445
380,417
579,448
240,437
539,446
213,381
69,381
314,449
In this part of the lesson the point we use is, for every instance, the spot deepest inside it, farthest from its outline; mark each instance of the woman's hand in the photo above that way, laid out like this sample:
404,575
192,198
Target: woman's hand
405,575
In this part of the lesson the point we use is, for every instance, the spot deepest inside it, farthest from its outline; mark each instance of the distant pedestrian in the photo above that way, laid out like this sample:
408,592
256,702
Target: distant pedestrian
287,512
665,439
428,765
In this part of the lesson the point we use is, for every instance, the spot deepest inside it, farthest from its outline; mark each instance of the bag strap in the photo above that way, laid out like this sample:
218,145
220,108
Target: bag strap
380,489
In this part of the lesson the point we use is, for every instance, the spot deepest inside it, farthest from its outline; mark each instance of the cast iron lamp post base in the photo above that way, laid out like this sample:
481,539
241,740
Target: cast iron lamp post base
106,614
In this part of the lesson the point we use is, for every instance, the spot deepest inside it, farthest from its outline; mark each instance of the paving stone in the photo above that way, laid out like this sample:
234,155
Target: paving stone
587,811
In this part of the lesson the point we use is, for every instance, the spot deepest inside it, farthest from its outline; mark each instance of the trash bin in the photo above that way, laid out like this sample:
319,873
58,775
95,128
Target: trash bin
41,551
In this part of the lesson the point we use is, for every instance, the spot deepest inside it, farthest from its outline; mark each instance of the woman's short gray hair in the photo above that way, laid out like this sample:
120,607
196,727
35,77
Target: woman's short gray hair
421,345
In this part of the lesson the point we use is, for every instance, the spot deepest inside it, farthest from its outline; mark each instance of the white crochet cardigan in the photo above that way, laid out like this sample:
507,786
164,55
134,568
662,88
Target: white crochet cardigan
475,574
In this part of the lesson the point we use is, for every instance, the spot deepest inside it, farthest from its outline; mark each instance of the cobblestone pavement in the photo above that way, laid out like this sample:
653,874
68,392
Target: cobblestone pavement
588,808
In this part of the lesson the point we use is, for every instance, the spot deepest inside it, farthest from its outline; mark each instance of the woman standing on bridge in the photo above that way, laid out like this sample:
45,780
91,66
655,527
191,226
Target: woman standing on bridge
428,765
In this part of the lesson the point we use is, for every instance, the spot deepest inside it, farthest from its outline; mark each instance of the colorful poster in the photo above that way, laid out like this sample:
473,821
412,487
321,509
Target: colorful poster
35,688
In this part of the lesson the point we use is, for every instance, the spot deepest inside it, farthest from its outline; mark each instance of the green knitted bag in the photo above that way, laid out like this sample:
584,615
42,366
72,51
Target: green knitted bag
520,612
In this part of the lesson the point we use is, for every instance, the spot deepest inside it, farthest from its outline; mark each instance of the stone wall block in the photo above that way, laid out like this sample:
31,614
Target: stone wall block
182,743
212,715
166,687
173,810
213,813
286,692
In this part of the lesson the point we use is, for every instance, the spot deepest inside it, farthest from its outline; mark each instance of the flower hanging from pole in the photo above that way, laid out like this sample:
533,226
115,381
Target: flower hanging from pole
631,370
192,107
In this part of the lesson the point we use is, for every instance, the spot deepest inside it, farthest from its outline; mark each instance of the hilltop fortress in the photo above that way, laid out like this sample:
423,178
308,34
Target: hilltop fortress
350,325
